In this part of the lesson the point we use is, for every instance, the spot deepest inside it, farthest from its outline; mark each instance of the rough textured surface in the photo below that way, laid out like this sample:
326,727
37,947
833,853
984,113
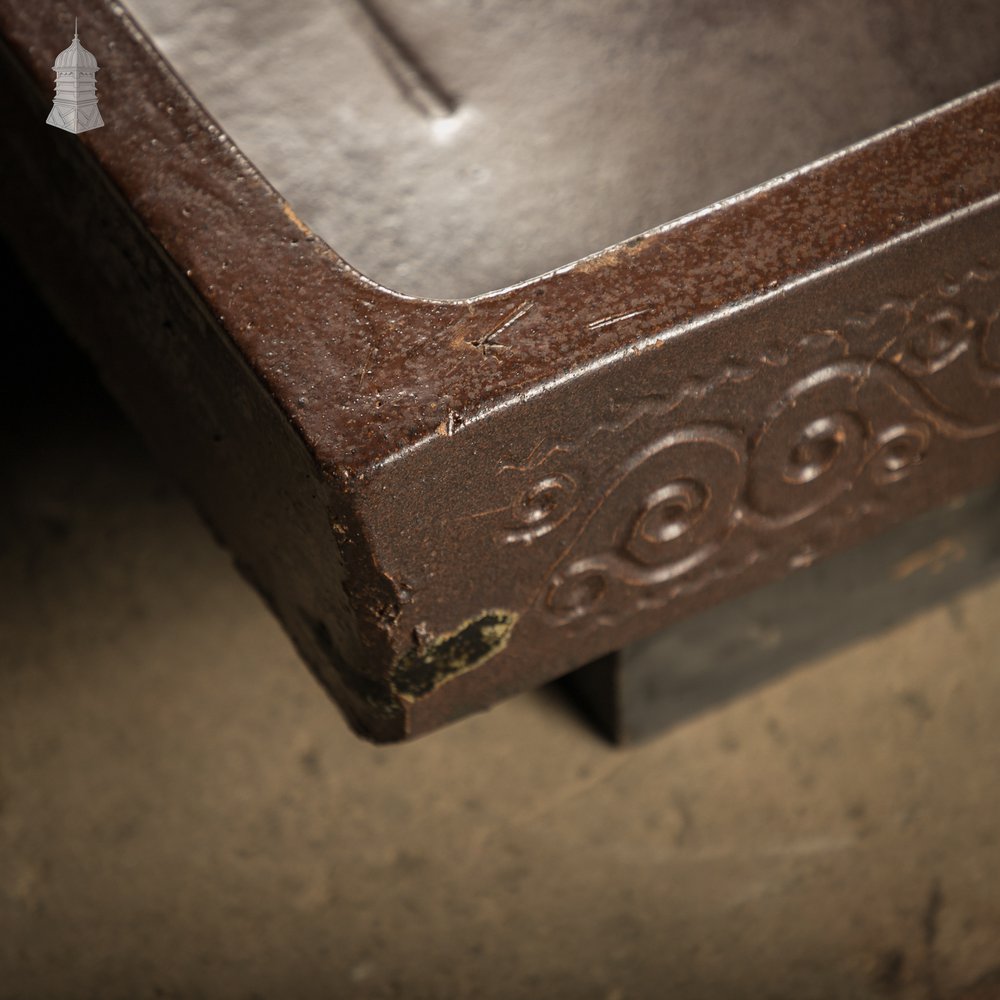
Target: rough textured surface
179,819
620,115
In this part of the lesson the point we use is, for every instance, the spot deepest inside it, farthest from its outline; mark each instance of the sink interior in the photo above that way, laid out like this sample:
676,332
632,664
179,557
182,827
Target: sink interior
450,147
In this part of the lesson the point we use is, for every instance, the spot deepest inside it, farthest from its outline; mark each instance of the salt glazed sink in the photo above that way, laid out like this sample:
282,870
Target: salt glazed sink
449,500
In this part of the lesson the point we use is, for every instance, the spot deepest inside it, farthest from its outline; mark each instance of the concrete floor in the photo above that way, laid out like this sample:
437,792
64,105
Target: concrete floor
184,814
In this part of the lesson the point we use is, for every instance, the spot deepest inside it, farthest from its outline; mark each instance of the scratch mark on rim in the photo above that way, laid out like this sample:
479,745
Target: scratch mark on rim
599,324
489,340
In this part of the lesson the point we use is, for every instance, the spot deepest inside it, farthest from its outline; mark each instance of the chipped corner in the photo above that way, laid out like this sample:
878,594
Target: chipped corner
435,660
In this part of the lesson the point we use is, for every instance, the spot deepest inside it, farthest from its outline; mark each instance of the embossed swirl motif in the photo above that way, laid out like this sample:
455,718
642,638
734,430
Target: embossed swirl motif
877,395
544,506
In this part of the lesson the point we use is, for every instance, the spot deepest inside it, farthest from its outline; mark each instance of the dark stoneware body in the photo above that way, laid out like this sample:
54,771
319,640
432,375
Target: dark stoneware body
447,502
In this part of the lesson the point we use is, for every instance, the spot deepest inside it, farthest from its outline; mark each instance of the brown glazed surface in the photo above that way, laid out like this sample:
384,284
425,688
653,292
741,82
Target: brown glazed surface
497,490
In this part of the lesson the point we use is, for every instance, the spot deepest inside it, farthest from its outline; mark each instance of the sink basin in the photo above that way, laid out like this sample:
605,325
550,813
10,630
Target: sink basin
451,148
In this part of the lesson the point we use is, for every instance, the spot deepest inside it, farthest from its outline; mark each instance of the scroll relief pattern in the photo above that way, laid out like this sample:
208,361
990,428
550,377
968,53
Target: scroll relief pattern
860,406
